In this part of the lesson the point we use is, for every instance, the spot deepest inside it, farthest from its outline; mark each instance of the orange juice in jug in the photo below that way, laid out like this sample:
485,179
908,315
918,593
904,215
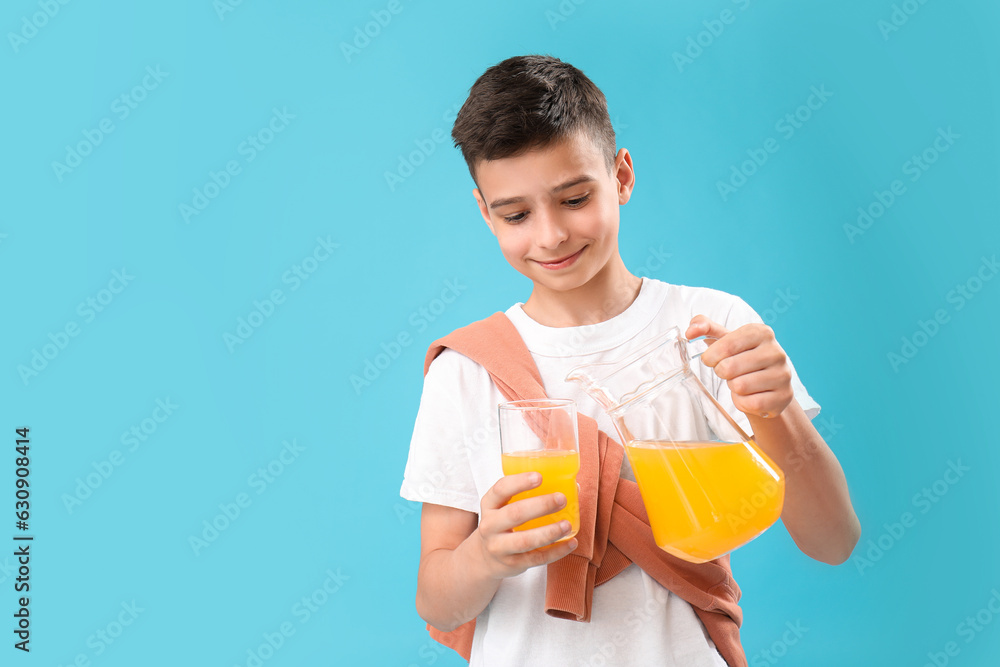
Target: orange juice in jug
704,499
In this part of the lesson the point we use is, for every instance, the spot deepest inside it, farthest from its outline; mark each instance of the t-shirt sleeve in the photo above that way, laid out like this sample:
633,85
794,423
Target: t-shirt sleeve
437,468
741,313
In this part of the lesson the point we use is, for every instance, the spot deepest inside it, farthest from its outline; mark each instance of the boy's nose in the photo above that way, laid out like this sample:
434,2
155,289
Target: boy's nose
549,232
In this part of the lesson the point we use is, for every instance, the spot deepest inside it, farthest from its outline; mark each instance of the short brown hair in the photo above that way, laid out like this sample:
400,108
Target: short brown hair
528,102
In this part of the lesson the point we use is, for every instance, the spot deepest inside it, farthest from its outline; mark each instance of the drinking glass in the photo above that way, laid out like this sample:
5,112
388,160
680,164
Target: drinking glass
540,435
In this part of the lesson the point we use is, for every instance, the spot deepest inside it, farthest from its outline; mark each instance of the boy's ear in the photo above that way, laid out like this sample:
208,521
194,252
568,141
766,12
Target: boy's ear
625,175
482,209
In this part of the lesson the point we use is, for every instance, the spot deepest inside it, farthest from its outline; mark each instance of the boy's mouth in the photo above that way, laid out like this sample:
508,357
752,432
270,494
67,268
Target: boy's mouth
563,262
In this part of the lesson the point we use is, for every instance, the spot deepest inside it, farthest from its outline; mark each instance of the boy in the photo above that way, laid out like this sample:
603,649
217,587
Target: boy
539,145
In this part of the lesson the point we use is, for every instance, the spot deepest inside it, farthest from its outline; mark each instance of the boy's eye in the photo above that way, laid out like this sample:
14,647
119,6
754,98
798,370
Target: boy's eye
576,202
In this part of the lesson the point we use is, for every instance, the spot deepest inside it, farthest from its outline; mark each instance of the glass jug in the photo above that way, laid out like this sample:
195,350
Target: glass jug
707,487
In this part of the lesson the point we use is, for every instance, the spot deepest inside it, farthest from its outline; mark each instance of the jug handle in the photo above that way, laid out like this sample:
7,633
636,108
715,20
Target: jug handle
697,347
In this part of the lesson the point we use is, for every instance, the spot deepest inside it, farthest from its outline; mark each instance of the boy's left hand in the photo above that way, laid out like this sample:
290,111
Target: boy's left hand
751,362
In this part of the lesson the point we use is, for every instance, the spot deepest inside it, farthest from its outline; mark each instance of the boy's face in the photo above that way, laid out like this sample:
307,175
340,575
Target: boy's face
556,203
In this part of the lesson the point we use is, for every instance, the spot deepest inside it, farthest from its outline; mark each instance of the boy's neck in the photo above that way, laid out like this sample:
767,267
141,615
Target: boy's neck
607,294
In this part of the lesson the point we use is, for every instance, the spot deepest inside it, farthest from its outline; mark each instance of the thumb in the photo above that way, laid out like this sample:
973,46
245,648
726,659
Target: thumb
702,326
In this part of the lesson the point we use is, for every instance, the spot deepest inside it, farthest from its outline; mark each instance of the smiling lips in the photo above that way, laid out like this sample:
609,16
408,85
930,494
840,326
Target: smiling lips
562,263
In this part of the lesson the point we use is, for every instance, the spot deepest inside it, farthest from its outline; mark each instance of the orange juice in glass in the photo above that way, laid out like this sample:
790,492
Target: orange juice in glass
540,435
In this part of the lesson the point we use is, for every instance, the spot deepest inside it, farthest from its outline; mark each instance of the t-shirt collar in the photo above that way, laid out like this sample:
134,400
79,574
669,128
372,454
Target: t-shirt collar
588,338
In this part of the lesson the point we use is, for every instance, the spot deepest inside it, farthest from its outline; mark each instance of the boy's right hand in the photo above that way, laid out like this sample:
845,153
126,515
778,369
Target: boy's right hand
507,552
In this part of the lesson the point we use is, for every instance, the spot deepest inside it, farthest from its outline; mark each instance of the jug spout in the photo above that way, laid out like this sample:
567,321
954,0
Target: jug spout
588,377
614,383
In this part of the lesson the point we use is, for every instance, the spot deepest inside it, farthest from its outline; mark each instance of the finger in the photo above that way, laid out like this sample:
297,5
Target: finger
537,544
526,509
507,487
553,552
764,404
701,325
769,379
750,361
739,340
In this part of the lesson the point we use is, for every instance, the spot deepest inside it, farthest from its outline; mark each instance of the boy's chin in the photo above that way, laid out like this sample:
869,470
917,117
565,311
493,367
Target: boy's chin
562,283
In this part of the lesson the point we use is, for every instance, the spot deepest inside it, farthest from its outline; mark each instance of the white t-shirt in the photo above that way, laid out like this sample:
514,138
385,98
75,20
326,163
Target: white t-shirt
455,458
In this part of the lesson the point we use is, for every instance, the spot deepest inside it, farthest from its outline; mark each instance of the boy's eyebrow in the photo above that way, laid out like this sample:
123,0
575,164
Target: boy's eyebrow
583,178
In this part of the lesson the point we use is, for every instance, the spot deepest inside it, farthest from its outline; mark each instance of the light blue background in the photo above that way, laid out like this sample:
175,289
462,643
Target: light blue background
336,506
